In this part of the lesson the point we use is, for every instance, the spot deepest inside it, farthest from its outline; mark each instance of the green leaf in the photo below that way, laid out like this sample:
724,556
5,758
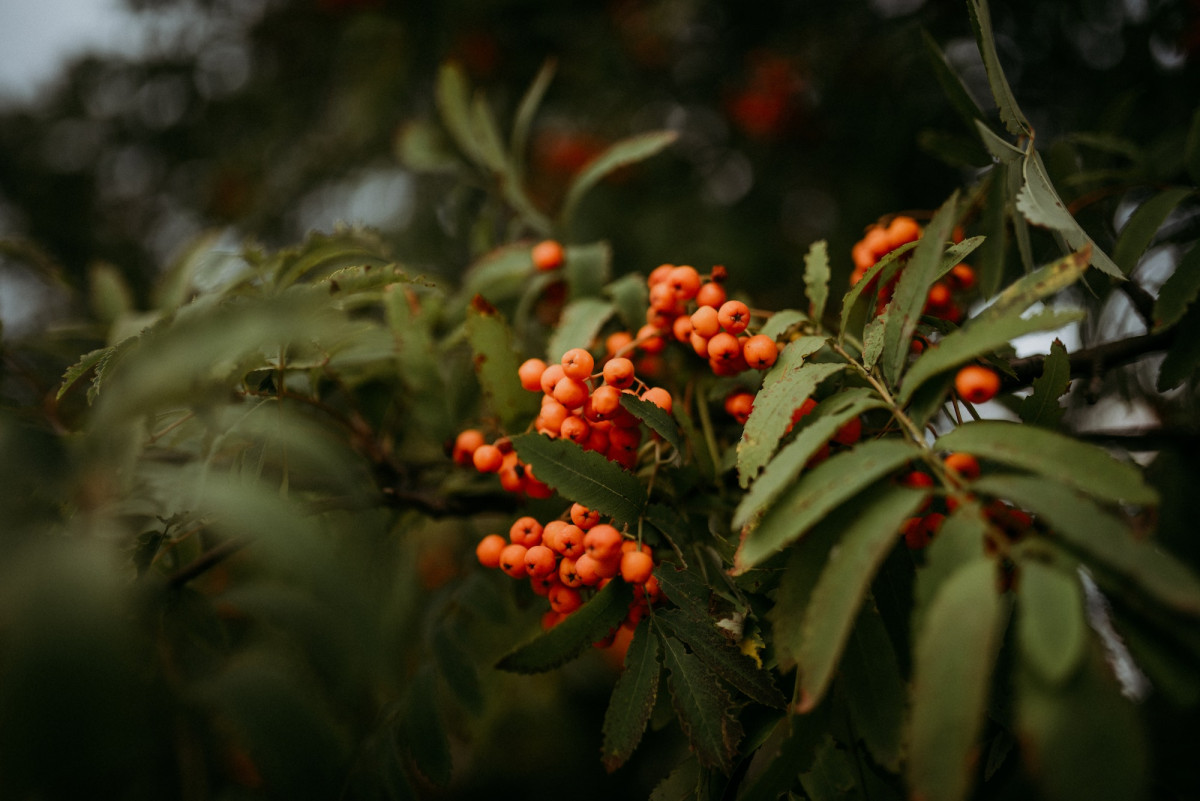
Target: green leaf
1143,224
875,691
457,668
422,730
575,634
496,365
908,300
632,698
1084,740
816,278
1184,356
1041,407
630,298
785,387
979,337
1040,204
818,492
620,154
452,96
582,476
1037,285
821,424
833,775
587,269
682,784
1090,530
799,579
721,655
955,90
1001,149
873,336
1051,630
81,367
843,584
955,654
958,542
781,321
704,708
417,361
527,110
500,274
1010,113
996,212
655,417
1054,456
788,752
857,295
581,321
1180,290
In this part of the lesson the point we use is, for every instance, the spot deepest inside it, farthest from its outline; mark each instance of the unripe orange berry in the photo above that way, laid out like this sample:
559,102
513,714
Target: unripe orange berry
548,255
578,363
636,566
489,548
619,372
977,384
760,351
734,316
659,397
487,459
530,373
964,464
706,322
711,294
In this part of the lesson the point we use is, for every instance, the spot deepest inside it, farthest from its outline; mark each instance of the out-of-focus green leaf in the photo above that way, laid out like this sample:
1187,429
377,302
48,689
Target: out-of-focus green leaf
826,486
417,361
620,154
630,298
1054,456
822,423
839,592
423,146
955,653
789,751
422,731
1083,740
785,387
587,269
575,634
908,299
799,579
1041,283
996,213
721,655
496,364
1179,291
857,298
1041,407
527,110
875,691
1102,536
1010,113
81,367
1184,356
1040,204
452,95
501,274
1143,224
703,705
816,278
978,337
958,542
108,294
833,775
661,422
956,92
582,476
632,698
684,783
581,321
456,668
1051,630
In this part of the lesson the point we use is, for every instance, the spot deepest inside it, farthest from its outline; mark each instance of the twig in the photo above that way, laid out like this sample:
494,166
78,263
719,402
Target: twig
204,562
1093,361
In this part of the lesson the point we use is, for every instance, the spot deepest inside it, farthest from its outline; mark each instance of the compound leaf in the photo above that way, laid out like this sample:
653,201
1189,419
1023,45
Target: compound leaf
655,417
575,634
582,476
633,698
704,707
721,655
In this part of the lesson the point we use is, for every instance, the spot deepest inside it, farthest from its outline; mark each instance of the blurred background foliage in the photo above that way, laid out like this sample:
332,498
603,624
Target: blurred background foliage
295,671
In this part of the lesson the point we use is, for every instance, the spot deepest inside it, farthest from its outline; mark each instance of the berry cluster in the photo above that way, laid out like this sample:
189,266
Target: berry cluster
472,448
696,311
568,557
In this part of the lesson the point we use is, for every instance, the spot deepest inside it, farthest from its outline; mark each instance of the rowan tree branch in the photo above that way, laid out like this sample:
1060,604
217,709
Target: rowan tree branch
1094,361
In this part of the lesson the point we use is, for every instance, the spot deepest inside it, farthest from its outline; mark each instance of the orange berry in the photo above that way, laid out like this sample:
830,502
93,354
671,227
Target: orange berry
534,488
570,392
570,540
711,294
512,560
734,316
939,297
488,550
550,619
487,459
578,363
864,259
530,373
587,570
616,342
526,531
724,347
977,384
602,542
917,480
681,328
551,417
512,478
738,405
916,536
548,255
876,240
685,281
850,432
659,397
567,573
650,340
636,566
706,322
606,401
699,344
550,377
760,351
575,429
565,600
964,464
619,372
540,561
584,517
659,274
902,230
465,445
662,297
962,276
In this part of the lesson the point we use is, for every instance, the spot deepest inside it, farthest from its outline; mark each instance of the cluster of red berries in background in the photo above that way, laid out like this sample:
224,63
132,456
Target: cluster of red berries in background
566,558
